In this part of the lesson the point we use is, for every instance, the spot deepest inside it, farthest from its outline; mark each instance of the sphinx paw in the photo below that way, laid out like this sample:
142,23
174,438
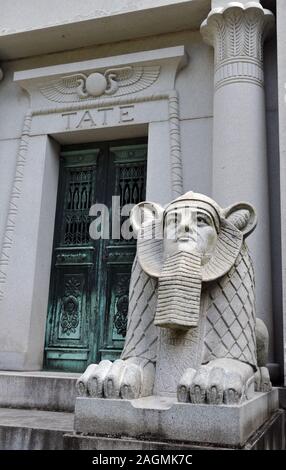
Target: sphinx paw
262,380
119,379
221,381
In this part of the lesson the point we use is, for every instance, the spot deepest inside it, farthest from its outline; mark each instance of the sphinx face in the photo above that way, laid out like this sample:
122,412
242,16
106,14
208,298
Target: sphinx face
189,229
198,243
192,225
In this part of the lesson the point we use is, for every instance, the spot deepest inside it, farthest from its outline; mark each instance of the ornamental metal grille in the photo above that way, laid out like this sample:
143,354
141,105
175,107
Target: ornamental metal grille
78,200
132,183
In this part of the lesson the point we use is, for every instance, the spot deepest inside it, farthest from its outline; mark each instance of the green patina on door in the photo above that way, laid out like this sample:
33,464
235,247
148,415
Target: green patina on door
88,303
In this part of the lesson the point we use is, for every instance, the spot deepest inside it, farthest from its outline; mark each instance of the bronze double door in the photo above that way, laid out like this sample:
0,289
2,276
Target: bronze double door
88,301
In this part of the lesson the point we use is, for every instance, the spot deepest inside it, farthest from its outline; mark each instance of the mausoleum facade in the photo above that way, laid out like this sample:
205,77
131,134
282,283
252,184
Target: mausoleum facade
114,103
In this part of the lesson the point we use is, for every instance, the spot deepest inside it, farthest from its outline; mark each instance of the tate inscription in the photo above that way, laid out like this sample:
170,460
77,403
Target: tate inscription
98,117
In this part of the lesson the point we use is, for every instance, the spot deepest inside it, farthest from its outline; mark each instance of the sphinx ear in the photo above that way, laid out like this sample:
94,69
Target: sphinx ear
242,216
144,213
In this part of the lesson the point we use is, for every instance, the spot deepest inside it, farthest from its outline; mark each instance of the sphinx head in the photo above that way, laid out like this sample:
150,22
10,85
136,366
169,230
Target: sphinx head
190,242
191,225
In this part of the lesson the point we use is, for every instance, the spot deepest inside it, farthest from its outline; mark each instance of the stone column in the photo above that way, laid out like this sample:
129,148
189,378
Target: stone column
237,31
281,44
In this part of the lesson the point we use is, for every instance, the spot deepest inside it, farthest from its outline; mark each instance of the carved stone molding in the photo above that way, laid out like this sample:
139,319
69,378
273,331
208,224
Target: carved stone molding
237,33
14,200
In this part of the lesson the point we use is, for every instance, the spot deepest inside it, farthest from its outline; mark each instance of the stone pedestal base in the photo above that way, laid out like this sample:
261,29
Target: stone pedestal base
270,436
164,419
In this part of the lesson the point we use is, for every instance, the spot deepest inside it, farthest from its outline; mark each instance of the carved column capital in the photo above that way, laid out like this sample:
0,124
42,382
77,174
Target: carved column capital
237,33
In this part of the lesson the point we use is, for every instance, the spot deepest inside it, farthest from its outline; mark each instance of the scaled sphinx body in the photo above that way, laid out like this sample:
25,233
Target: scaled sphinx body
192,329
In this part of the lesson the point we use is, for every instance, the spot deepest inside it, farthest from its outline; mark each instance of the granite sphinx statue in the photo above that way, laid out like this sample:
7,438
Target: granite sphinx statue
192,329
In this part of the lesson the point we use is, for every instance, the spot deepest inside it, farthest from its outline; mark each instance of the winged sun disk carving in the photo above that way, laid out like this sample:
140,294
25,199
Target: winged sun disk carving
116,81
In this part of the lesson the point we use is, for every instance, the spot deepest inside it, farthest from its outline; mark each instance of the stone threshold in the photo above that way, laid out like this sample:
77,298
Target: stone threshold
42,390
40,373
33,429
52,420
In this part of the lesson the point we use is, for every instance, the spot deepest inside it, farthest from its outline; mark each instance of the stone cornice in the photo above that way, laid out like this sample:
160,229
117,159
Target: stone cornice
237,33
105,28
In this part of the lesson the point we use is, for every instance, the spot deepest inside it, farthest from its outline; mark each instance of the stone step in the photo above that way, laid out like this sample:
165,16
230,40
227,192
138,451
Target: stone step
33,429
42,390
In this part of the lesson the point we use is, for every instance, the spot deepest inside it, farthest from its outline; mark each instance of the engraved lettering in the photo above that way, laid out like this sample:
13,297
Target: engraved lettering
68,116
86,118
125,114
104,117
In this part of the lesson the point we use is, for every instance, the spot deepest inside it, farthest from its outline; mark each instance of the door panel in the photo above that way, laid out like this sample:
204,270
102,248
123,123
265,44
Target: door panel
74,261
88,303
127,164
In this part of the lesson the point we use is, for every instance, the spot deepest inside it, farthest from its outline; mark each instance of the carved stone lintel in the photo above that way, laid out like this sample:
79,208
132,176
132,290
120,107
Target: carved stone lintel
237,33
